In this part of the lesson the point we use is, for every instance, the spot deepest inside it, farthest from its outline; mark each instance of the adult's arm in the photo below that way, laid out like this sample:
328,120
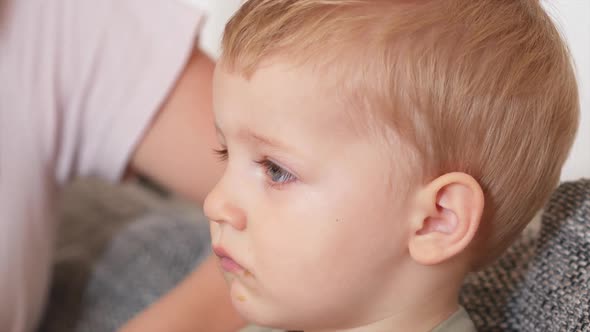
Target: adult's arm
177,152
177,149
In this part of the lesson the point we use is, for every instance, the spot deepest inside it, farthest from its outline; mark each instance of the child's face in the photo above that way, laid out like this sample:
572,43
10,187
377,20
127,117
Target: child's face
305,207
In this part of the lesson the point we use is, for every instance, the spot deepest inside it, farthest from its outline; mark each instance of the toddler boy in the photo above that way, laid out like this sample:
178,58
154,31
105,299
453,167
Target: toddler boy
379,151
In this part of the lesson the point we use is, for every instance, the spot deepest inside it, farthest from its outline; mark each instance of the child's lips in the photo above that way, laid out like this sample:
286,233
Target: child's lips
227,263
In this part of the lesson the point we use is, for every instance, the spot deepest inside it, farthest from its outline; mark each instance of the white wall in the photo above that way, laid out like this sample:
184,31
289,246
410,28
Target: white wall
219,13
573,18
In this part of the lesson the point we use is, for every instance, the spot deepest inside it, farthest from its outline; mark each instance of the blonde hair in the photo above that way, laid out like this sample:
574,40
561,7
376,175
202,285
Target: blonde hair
483,87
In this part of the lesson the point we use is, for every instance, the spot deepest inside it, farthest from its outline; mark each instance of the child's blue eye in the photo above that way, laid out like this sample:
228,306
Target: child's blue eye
276,173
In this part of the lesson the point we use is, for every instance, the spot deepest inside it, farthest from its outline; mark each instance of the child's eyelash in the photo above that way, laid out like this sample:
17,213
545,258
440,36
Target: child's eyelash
277,175
221,153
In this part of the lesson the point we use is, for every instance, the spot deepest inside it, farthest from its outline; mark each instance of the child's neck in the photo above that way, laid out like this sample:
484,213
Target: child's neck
419,320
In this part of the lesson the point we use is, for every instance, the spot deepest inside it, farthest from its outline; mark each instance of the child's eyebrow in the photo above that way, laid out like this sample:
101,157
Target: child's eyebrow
260,139
218,132
249,135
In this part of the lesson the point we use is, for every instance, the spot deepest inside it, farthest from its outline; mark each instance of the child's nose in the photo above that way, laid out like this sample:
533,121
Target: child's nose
220,208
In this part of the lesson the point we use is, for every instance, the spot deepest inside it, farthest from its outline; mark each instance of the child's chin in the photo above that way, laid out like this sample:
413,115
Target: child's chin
274,323
260,316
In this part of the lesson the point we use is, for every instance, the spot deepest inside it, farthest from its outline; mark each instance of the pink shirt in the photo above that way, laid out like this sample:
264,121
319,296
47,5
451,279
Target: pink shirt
80,81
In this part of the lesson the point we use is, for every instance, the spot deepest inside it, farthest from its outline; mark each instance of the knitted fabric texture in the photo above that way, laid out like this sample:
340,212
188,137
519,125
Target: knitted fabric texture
542,282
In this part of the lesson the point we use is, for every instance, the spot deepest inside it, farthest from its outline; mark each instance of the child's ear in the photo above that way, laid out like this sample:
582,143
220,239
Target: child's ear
448,213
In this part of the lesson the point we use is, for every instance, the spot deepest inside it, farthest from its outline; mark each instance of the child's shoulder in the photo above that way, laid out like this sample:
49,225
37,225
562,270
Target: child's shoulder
458,322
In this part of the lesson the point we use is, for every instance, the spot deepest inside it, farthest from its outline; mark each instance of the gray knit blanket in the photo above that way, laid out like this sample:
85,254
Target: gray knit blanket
542,283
